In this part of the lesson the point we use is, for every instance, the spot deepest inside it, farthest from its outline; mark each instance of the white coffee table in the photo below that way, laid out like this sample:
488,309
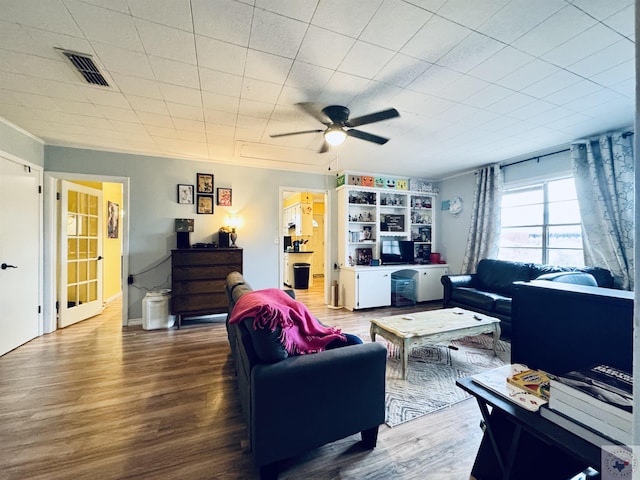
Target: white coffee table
421,328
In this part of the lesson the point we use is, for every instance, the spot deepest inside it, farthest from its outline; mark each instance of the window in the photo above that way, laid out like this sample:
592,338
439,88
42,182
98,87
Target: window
541,224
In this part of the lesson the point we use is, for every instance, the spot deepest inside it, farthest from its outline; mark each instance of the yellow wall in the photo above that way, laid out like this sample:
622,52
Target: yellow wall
111,247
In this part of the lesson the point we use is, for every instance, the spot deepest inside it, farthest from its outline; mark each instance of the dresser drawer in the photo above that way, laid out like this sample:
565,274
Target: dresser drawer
207,257
202,272
199,304
197,287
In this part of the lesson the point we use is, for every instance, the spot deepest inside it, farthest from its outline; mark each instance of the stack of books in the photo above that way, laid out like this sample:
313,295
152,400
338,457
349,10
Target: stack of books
517,383
594,403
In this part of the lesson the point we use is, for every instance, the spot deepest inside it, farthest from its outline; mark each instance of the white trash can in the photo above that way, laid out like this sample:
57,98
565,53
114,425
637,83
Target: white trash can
155,310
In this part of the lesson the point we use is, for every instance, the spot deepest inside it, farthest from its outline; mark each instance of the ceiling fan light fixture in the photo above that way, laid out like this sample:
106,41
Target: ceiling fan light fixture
335,136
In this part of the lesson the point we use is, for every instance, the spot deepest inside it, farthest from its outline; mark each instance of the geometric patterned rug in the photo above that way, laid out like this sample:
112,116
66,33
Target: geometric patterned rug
432,373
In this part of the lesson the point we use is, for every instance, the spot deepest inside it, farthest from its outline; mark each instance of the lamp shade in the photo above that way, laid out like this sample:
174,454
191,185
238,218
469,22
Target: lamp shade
335,136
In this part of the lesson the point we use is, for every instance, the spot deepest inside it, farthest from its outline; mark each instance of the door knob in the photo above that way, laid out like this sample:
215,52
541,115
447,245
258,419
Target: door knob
4,266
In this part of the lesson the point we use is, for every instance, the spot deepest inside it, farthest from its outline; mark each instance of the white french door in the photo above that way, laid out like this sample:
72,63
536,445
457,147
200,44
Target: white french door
80,253
19,254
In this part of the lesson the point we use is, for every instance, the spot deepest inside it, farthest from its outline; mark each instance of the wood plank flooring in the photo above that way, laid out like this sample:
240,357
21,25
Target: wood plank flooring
97,401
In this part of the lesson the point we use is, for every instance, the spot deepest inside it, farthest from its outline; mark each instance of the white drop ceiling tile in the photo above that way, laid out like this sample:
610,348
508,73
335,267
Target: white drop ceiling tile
476,119
220,82
122,114
488,96
104,96
348,17
30,100
179,110
218,117
175,73
527,75
566,123
167,42
276,34
155,120
551,84
34,66
620,72
462,88
267,67
307,76
178,94
433,106
434,79
218,130
573,92
233,26
435,39
531,110
173,13
470,52
315,48
401,70
587,43
503,63
248,134
106,26
471,14
120,60
602,96
300,9
602,9
135,130
254,108
248,122
605,59
456,113
394,24
216,101
626,88
260,91
188,136
623,21
16,38
292,95
365,60
136,86
345,86
518,17
221,56
146,104
564,25
188,125
429,5
51,15
510,103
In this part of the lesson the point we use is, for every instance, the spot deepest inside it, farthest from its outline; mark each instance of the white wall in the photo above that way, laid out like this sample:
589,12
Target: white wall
153,208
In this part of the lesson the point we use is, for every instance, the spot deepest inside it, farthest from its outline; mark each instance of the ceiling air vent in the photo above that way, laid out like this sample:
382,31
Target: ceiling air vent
86,67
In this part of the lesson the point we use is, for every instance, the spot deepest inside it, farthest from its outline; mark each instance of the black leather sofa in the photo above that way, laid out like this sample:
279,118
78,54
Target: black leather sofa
292,404
490,289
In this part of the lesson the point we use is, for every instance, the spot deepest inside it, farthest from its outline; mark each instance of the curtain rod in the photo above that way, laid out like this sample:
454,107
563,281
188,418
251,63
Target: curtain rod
537,157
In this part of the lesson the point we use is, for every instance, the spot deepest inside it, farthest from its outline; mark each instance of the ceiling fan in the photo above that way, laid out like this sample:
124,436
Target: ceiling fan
339,126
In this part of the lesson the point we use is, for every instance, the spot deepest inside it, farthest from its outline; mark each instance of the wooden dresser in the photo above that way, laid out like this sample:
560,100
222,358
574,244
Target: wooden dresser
198,277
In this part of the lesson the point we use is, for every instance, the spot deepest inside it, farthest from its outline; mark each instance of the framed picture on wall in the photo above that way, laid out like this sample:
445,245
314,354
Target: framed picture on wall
205,183
185,193
205,204
224,197
113,219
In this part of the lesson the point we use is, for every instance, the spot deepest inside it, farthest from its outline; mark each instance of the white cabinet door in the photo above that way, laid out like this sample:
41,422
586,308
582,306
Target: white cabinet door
429,285
373,289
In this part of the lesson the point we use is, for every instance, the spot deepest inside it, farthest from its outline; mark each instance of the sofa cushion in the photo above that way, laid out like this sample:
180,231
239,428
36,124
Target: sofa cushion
499,275
503,306
266,343
475,298
576,278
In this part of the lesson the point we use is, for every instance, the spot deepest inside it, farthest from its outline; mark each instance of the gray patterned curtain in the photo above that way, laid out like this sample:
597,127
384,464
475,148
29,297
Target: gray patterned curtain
484,232
603,169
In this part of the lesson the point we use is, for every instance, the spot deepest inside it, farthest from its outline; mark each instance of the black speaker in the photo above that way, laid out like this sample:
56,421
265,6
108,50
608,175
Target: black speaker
183,240
223,239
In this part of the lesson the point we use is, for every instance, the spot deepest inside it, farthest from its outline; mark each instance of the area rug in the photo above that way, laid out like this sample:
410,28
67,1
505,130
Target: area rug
432,374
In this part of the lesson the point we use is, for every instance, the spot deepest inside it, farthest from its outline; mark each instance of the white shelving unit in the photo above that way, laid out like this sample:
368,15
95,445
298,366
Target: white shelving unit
367,216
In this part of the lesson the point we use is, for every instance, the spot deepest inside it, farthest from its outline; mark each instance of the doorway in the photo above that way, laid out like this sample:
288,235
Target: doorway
116,247
303,217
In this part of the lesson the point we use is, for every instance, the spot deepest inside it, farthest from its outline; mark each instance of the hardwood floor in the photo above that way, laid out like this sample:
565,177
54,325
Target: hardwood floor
98,401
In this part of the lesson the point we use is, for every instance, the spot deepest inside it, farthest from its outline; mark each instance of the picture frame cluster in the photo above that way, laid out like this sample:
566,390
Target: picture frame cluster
202,194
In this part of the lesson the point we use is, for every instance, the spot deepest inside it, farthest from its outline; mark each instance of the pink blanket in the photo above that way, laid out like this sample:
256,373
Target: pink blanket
272,307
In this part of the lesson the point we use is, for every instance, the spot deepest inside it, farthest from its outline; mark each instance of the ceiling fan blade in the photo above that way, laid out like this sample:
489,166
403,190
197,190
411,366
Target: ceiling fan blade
295,133
325,147
315,111
369,137
372,117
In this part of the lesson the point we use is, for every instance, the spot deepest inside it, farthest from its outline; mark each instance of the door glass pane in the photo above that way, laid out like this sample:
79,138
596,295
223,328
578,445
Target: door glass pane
72,202
72,276
93,248
93,269
93,205
82,271
72,248
83,203
93,291
72,225
93,226
82,293
83,248
72,296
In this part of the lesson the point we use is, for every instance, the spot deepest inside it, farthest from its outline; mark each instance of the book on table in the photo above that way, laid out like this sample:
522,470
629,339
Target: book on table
618,417
533,381
605,388
577,428
495,380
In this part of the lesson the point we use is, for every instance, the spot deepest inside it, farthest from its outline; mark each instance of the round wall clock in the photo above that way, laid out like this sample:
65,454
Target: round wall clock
455,206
